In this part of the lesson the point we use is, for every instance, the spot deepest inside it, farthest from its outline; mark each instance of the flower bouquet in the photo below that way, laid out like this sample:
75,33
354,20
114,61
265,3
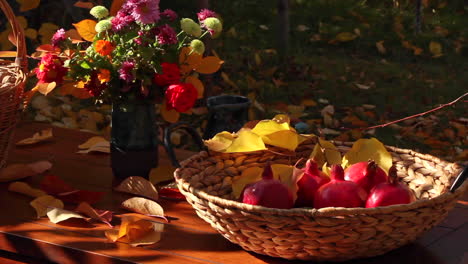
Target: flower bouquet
134,59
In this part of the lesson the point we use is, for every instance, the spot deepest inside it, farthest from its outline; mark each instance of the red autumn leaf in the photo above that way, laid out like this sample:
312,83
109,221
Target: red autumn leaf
171,194
55,186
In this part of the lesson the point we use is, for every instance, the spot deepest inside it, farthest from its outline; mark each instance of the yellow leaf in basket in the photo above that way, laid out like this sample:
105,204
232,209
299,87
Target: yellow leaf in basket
198,85
267,127
365,149
282,118
86,29
289,175
170,116
325,152
286,139
26,5
249,175
41,136
220,142
246,141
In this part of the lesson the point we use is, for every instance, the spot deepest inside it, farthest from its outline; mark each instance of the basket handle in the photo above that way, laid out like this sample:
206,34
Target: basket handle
18,35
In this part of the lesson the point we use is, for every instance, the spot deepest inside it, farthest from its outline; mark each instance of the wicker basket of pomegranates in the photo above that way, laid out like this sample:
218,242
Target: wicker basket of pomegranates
290,204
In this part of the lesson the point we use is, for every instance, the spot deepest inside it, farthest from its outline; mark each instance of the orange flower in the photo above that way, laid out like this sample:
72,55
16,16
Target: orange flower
104,47
103,75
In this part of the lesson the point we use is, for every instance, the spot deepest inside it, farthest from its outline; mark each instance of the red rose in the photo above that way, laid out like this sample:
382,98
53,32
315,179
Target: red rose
181,97
170,74
50,69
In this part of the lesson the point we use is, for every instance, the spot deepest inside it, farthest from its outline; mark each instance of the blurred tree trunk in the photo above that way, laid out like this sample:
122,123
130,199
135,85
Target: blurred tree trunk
283,27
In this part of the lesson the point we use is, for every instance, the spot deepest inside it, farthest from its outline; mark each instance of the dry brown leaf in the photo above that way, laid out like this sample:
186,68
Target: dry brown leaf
143,206
19,171
139,186
136,231
86,209
92,142
41,136
42,203
24,188
100,146
57,215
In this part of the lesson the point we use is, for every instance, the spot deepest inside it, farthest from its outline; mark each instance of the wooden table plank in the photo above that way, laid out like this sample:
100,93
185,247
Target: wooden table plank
187,239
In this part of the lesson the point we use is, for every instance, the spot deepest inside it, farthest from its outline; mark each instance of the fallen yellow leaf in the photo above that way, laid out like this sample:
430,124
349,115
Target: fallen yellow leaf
435,48
57,215
368,149
41,136
24,188
86,209
139,186
136,231
43,202
26,5
91,142
345,36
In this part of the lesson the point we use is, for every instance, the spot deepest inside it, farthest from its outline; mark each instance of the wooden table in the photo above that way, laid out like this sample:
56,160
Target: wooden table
25,239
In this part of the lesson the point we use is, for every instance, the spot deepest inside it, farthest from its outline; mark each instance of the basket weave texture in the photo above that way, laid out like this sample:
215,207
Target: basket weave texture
12,81
331,234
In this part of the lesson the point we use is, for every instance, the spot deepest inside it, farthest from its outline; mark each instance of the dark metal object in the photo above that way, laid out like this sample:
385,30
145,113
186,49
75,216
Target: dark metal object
226,113
459,180
170,148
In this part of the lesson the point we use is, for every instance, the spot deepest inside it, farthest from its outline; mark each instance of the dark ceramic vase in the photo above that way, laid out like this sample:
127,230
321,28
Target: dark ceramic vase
226,113
134,143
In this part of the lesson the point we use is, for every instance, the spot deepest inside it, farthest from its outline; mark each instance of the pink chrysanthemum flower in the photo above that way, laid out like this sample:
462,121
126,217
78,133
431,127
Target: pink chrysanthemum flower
121,20
58,38
169,14
144,11
125,71
206,13
166,35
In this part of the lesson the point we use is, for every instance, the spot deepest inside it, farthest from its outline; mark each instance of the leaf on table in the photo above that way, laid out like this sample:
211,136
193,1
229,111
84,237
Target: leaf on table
365,149
248,176
91,142
144,206
139,186
24,188
41,136
161,174
136,231
98,215
19,171
171,194
53,185
325,152
95,144
42,203
57,215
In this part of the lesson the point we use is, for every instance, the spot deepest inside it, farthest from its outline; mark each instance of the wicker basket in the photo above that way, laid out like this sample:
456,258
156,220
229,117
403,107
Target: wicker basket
12,80
332,234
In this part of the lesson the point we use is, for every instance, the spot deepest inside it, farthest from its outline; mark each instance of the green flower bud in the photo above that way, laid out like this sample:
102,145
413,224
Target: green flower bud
90,50
197,46
99,12
190,27
213,25
103,25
